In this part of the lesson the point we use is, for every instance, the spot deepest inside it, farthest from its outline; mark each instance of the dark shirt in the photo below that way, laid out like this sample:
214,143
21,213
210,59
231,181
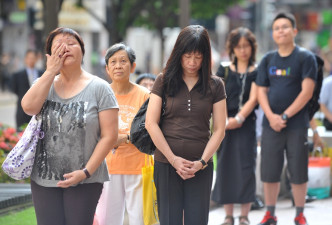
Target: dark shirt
283,76
20,85
186,122
233,83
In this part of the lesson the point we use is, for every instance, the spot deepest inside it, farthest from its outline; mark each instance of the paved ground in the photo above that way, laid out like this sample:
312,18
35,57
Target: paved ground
14,197
318,212
7,108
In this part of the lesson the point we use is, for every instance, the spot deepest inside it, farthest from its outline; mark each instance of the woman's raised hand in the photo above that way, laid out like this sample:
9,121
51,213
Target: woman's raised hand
55,61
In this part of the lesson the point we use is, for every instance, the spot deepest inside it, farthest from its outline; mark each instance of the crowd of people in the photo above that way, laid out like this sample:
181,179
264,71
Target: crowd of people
87,171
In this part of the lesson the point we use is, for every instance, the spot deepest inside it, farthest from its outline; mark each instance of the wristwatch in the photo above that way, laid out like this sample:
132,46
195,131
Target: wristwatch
128,139
203,163
87,174
284,116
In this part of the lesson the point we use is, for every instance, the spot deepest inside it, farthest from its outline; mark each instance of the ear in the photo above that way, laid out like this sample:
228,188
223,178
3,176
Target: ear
295,31
133,67
106,68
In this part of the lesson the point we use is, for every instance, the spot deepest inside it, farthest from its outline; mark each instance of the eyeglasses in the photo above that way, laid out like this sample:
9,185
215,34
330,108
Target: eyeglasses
244,47
283,27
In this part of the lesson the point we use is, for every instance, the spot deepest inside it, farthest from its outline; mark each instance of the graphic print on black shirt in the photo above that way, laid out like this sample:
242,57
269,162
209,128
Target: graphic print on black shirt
62,125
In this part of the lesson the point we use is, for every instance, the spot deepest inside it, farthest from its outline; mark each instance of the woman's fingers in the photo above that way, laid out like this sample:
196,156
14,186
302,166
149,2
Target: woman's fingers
55,61
188,164
59,50
62,50
70,179
56,48
185,162
185,176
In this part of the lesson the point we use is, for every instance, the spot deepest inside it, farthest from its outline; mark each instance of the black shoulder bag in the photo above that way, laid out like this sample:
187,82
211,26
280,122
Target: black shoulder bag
139,136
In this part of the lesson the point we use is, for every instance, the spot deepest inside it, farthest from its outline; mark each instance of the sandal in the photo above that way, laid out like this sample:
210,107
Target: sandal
245,220
230,218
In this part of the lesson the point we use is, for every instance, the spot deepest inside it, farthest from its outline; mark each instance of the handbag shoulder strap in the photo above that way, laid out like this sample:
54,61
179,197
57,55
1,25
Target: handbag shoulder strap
148,160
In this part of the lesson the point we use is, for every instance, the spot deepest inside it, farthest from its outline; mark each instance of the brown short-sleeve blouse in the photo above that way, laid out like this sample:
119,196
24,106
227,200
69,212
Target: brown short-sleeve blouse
186,122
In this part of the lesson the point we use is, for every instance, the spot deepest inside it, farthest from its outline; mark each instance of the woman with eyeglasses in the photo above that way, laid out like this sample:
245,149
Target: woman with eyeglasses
235,181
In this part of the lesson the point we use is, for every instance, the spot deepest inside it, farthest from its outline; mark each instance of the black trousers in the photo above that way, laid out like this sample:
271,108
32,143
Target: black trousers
182,200
66,206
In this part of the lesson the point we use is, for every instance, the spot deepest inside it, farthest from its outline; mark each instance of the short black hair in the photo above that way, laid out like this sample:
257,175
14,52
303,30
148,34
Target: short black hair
285,15
118,47
31,51
145,76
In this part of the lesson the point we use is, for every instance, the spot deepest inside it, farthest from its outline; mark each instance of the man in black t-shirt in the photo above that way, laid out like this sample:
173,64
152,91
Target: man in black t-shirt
286,80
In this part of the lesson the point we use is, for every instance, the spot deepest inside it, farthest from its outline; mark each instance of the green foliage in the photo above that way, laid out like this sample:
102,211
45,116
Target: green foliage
24,217
161,13
125,10
209,8
158,14
154,14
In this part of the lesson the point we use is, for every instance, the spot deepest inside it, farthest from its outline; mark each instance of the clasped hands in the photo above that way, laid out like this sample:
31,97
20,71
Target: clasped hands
186,168
277,123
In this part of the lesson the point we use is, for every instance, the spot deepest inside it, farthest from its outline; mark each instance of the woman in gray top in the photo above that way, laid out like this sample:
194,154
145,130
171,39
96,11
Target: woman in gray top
80,121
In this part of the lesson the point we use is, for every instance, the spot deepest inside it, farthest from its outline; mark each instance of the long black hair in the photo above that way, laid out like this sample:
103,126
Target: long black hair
193,38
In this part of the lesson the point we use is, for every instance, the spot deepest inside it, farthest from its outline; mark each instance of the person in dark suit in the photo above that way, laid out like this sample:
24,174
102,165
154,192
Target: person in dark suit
20,83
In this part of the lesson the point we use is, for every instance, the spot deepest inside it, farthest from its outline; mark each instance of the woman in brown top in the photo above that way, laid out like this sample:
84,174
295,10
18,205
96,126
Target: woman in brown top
183,140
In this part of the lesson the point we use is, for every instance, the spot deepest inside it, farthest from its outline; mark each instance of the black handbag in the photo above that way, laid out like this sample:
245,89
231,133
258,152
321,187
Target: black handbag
139,136
327,124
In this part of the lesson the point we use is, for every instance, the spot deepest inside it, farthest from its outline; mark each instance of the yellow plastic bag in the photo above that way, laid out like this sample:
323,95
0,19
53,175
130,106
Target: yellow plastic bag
329,154
150,209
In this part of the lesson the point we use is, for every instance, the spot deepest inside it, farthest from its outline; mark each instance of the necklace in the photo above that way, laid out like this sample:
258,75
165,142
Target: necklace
243,77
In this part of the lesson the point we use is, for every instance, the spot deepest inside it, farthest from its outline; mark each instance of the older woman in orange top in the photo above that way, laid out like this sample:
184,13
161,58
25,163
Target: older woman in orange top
125,161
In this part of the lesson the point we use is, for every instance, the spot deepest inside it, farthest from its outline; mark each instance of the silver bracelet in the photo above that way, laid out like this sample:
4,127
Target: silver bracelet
238,119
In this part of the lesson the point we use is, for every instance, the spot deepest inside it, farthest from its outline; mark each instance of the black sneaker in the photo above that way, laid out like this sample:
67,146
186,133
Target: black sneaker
257,204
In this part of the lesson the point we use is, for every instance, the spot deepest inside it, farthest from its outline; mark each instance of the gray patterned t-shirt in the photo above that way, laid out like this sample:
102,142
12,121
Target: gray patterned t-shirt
72,131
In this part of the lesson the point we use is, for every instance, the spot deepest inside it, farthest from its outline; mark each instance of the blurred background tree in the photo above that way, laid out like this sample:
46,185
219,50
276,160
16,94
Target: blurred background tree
155,14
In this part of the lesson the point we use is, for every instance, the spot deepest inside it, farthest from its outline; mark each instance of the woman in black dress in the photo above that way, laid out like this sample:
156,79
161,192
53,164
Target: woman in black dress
235,181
